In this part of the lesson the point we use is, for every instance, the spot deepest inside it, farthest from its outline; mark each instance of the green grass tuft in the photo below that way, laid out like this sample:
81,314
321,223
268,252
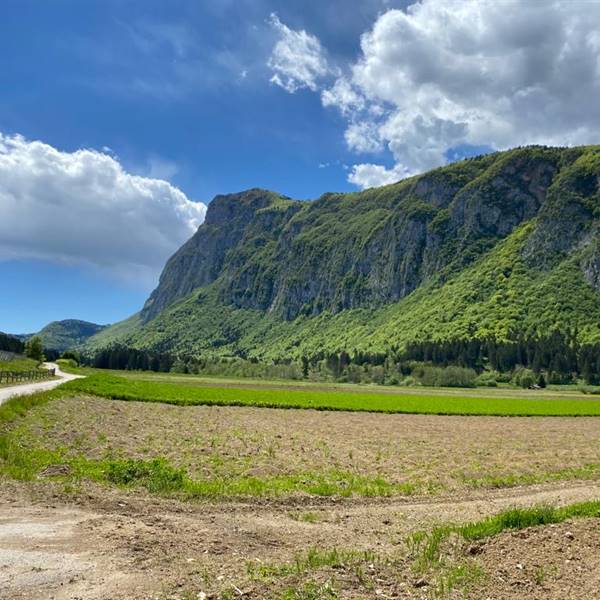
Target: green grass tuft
427,546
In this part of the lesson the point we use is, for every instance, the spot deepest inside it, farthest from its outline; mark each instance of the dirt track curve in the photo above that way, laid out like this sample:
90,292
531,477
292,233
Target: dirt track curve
32,388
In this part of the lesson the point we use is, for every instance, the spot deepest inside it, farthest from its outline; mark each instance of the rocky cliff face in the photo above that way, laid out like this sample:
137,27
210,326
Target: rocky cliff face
229,220
366,249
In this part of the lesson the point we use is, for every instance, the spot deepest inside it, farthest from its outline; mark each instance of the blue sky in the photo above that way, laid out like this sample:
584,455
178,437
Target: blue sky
104,73
301,97
68,77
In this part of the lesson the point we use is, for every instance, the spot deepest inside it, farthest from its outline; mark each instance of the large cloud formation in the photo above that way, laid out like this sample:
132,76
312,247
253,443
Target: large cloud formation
83,208
445,73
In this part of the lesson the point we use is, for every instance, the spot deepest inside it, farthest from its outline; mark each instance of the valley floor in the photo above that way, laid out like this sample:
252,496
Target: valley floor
108,499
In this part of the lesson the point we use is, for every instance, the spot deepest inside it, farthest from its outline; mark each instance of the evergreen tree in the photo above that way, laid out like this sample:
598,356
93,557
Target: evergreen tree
34,348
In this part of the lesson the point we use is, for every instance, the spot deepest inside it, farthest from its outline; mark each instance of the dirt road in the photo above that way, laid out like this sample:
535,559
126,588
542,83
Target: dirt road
32,388
111,544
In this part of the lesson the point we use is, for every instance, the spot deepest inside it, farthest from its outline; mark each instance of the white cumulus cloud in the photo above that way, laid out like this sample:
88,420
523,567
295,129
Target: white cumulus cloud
83,208
363,136
367,175
445,73
297,60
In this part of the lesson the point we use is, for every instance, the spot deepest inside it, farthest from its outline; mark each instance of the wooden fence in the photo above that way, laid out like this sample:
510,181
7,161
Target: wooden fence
22,376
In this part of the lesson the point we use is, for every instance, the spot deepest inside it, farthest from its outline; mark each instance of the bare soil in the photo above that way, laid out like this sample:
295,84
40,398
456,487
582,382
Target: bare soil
555,561
436,453
107,543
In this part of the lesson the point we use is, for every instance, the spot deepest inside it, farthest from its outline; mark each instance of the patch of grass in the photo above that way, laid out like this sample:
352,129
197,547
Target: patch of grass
19,364
311,591
155,475
590,471
19,406
427,546
110,386
463,576
542,573
305,574
159,477
312,560
436,551
520,518
305,517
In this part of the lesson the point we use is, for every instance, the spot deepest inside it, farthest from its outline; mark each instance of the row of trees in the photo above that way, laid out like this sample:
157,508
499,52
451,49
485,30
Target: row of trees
131,359
559,354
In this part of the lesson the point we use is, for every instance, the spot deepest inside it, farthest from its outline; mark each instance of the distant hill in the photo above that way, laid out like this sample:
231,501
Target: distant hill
70,333
10,343
504,246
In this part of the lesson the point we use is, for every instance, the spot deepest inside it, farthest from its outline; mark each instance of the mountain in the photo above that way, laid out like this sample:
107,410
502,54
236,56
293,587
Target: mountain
70,333
505,245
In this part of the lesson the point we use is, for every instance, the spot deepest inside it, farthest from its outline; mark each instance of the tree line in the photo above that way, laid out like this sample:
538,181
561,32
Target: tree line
9,343
124,358
556,358
558,354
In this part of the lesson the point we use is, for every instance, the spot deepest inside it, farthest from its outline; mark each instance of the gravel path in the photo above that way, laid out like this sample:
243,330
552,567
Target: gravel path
32,388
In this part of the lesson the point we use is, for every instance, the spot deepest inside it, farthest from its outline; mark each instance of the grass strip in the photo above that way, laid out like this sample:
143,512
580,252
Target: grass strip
159,477
588,472
426,546
18,406
363,566
110,386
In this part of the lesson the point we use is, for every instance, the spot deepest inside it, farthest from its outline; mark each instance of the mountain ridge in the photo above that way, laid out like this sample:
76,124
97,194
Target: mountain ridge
262,257
66,334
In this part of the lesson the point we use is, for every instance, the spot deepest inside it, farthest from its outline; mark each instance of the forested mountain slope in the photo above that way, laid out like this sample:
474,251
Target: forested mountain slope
505,245
60,335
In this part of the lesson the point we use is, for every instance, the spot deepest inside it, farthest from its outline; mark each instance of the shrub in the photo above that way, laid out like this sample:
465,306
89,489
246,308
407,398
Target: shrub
559,378
67,362
523,377
488,379
450,376
377,375
72,355
179,367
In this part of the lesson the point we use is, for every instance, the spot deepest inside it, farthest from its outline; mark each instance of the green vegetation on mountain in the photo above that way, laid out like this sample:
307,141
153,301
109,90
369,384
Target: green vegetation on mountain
113,333
70,333
10,343
503,247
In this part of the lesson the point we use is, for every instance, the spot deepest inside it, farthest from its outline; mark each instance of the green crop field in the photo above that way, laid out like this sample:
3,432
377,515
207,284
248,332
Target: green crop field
111,386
